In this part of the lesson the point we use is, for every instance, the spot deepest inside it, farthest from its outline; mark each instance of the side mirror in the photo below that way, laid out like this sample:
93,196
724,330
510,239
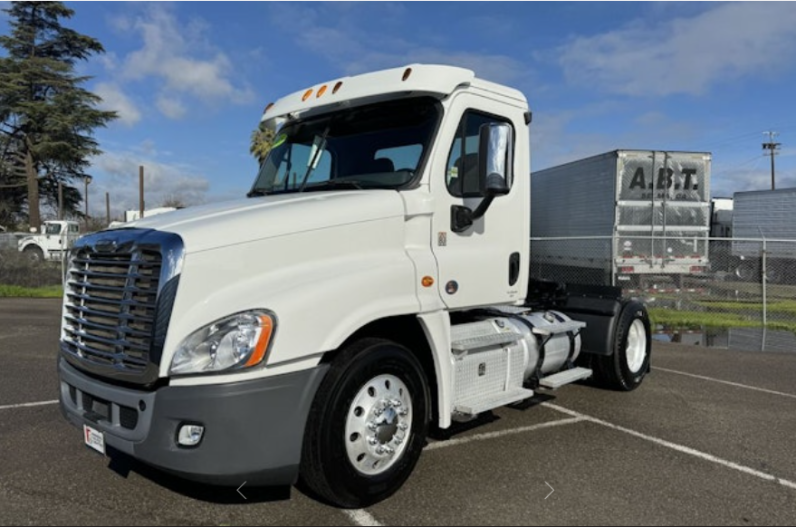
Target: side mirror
495,159
495,141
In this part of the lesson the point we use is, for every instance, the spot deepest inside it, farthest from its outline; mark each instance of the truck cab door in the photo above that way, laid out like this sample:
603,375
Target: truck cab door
486,263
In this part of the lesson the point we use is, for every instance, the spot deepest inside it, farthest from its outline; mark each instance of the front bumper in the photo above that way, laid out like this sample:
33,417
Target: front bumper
253,429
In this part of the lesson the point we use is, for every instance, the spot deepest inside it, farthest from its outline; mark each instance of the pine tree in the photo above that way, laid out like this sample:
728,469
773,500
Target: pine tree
46,116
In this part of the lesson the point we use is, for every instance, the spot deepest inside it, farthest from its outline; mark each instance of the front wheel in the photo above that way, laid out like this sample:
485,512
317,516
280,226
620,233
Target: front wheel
34,253
367,426
626,368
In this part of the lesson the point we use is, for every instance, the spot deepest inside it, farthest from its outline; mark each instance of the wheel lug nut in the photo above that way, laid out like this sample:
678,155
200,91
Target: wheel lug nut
372,441
403,426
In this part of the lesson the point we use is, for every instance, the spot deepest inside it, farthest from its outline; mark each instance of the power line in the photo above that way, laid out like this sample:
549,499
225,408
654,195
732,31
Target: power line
772,147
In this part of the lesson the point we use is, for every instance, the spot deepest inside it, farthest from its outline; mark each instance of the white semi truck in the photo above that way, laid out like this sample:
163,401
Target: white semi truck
56,238
374,284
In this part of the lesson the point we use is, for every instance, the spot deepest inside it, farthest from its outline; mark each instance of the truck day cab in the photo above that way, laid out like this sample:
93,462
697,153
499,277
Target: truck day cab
374,284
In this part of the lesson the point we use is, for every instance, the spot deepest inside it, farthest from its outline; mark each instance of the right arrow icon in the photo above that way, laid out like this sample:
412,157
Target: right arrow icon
552,490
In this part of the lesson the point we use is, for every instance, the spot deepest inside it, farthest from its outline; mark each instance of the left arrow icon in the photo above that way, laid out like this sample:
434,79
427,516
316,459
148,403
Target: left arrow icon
239,492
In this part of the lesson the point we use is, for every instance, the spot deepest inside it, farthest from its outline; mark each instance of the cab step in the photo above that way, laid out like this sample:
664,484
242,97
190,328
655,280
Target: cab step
561,327
476,405
554,382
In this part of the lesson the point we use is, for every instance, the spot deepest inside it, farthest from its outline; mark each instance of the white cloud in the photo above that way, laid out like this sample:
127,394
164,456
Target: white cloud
171,107
113,98
118,175
687,54
344,34
178,55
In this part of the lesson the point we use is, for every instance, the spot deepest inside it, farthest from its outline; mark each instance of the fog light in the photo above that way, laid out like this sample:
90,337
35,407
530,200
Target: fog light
190,435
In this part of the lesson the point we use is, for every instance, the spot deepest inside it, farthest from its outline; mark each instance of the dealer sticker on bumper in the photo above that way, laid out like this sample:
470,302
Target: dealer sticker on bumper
94,439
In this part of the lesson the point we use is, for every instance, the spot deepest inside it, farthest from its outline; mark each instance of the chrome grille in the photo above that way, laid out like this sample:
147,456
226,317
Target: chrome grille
111,307
119,293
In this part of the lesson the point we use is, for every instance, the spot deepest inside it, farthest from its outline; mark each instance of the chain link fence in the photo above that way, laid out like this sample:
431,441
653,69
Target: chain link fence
718,292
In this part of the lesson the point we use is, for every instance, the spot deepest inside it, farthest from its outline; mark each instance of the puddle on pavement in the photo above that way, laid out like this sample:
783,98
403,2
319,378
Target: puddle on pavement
737,339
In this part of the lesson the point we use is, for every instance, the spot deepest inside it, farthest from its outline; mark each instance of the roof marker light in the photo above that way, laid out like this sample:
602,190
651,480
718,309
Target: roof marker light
337,87
307,94
270,105
407,73
321,91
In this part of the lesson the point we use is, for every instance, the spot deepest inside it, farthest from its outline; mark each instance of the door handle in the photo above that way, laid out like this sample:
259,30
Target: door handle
514,268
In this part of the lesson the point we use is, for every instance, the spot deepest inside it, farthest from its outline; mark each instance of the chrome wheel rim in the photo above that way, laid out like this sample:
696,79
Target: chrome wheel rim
378,425
636,349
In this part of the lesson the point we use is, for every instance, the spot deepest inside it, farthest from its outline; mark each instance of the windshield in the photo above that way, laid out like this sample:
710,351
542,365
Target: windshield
376,146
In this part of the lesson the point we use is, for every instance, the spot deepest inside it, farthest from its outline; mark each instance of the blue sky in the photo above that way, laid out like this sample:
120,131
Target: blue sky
190,80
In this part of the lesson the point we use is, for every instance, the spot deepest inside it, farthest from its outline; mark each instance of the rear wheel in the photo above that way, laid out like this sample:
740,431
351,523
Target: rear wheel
367,426
626,368
748,271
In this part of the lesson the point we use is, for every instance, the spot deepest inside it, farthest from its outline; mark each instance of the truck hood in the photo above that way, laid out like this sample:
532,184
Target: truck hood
216,225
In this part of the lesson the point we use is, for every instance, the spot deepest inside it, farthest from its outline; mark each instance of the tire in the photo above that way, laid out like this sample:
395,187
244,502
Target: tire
626,368
775,272
340,461
34,253
748,271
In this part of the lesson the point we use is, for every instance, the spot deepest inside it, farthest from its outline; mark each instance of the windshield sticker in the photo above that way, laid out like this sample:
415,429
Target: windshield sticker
281,138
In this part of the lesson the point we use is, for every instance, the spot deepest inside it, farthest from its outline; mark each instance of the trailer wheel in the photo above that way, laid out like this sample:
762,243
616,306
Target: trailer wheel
626,368
34,253
775,272
367,426
748,271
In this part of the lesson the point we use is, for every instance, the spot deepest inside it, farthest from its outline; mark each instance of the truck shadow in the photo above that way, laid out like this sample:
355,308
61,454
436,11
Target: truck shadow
458,428
123,465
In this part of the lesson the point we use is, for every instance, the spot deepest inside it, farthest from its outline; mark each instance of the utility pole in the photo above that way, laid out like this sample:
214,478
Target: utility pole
772,147
87,180
60,200
141,190
107,208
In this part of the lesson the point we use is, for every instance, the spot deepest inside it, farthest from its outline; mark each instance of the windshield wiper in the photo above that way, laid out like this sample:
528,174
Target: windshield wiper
315,158
256,192
336,183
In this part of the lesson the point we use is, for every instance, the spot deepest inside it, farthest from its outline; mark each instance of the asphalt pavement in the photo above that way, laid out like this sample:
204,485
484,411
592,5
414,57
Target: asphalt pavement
709,438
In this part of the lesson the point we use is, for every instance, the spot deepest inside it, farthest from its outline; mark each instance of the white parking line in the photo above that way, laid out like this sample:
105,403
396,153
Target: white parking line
501,433
676,447
728,383
363,518
27,405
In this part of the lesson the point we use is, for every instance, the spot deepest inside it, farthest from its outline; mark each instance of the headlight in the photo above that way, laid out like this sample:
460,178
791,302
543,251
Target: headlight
232,343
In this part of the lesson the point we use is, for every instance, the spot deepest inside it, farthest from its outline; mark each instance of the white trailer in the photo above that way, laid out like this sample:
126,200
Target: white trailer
621,215
375,283
765,220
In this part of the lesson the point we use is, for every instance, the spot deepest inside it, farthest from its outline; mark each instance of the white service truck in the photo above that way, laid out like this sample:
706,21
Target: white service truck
374,284
55,239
